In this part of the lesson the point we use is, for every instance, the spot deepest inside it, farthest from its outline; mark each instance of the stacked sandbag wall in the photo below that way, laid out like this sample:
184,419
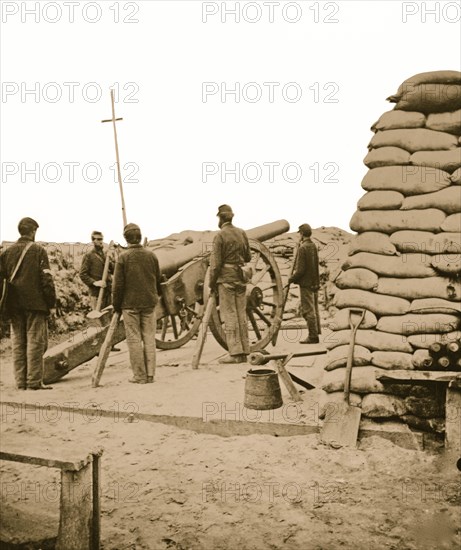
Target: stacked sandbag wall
404,264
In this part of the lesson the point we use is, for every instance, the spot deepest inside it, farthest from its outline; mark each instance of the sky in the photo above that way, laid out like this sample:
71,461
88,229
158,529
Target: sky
266,106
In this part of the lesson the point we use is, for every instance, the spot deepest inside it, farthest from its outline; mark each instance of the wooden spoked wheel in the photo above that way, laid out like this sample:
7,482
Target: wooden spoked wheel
264,295
173,331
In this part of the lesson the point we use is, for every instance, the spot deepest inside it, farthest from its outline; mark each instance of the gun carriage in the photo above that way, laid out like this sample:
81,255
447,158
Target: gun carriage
184,295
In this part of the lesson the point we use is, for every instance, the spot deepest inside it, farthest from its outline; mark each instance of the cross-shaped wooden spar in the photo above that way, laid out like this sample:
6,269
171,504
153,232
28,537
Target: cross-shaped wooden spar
119,174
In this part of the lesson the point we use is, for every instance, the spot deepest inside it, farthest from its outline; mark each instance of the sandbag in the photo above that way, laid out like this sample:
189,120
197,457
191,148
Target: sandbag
386,156
427,77
371,339
372,241
418,323
392,360
430,98
412,288
419,357
328,403
423,340
408,180
448,200
357,278
380,405
447,264
341,320
444,122
408,265
449,161
363,380
337,357
399,119
434,305
389,221
381,200
376,303
416,139
455,178
451,224
426,242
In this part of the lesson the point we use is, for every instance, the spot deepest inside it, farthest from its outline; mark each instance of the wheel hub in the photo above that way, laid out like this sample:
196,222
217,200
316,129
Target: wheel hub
254,297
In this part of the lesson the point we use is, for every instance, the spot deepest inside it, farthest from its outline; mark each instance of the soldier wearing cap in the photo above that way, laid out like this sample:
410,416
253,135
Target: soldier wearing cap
135,292
92,269
306,275
230,251
31,296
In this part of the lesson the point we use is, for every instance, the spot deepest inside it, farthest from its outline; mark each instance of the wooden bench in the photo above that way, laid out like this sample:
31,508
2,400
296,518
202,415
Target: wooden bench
452,400
79,518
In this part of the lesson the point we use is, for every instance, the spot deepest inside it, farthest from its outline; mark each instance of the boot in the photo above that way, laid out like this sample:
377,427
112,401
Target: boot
310,340
230,359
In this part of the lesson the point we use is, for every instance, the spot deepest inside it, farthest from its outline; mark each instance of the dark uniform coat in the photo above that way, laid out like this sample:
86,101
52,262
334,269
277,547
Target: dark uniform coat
32,288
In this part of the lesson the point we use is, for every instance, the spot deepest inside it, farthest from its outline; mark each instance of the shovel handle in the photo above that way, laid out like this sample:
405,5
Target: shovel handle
104,277
350,354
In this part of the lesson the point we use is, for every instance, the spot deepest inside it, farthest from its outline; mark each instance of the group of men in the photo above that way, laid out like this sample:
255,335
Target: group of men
133,286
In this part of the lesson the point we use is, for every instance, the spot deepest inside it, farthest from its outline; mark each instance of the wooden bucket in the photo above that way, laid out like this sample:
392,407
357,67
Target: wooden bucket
262,390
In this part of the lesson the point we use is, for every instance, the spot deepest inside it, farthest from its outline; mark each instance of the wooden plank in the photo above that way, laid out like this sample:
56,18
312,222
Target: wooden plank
286,379
37,460
203,330
418,376
106,346
80,348
41,457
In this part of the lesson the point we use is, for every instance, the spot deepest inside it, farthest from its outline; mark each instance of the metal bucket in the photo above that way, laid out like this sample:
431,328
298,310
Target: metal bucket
262,390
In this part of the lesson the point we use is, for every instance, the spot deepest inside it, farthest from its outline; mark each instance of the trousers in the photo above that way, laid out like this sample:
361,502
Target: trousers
29,336
309,311
140,327
232,306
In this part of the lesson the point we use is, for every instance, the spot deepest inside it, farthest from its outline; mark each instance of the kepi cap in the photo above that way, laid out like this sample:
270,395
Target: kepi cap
97,234
130,227
305,229
224,209
27,223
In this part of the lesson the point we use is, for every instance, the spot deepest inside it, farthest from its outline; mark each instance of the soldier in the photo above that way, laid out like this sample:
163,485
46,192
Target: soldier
230,251
306,275
31,296
92,269
135,292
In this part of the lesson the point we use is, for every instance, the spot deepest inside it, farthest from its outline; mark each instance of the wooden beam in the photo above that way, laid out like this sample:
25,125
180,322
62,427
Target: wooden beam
407,376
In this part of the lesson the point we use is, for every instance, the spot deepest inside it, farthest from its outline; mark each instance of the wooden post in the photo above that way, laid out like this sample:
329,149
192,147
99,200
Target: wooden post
96,519
76,517
203,330
105,350
119,173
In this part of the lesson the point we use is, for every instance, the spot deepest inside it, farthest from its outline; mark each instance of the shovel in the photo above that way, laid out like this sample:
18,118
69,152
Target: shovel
341,425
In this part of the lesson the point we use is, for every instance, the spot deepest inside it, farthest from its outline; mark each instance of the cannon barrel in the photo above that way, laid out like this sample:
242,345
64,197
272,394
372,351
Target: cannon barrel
171,260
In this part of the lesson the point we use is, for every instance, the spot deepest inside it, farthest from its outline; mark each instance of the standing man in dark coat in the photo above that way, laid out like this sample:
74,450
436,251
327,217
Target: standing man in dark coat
230,251
92,269
135,293
31,297
306,275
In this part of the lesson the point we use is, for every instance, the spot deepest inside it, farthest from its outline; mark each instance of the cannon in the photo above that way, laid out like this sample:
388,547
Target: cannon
181,306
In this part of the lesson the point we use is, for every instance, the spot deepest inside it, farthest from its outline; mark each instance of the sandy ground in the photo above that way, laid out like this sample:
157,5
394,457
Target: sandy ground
168,488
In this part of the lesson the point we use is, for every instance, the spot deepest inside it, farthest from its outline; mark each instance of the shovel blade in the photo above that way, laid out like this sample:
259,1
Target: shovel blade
341,426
